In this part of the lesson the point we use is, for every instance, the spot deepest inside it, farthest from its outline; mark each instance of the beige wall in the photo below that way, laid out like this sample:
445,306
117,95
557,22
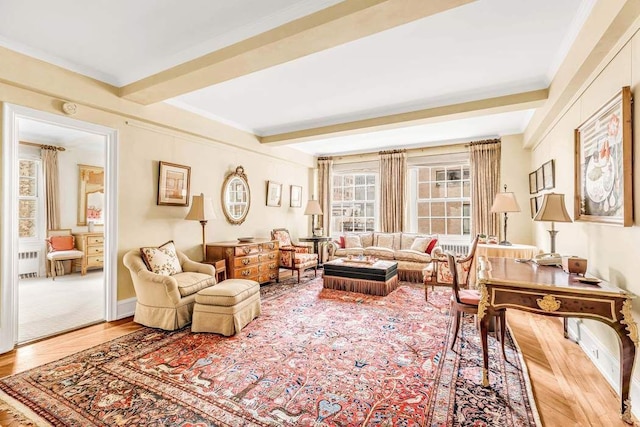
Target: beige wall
161,132
612,251
514,173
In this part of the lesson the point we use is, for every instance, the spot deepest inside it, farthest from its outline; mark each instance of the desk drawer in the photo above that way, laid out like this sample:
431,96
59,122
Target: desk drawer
269,256
245,261
246,250
95,240
95,261
246,272
95,250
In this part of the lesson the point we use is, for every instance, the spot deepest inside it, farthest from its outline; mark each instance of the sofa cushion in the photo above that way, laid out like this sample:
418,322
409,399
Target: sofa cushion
432,245
162,260
411,255
420,244
366,239
384,240
352,241
191,282
349,251
378,252
342,242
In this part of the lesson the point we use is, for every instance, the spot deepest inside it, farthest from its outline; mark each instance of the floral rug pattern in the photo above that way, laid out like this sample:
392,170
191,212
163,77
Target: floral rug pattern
315,357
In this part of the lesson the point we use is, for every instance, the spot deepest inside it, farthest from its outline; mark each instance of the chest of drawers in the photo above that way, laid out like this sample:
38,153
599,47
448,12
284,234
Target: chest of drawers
257,260
92,244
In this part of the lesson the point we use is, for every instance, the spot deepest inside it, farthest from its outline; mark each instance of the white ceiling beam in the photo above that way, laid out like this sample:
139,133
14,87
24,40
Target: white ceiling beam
501,104
342,23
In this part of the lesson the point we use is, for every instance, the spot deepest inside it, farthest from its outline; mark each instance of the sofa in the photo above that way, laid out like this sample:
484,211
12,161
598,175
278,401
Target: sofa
412,251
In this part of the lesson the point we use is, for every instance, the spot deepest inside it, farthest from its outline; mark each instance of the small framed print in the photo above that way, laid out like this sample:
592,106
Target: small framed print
173,184
533,185
295,199
548,174
534,206
539,179
274,193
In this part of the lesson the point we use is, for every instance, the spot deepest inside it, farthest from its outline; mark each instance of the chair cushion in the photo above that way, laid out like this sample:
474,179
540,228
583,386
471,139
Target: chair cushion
162,260
304,258
62,243
283,237
469,296
62,255
191,282
228,292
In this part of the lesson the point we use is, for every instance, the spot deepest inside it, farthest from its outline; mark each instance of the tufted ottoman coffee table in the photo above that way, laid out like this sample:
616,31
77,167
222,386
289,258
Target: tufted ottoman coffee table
227,307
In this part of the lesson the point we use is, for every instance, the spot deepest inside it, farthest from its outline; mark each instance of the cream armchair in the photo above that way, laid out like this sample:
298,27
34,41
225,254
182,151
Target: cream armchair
166,302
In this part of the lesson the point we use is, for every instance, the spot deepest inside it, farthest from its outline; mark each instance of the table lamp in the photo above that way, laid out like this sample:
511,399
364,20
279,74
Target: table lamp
553,210
505,202
201,210
313,208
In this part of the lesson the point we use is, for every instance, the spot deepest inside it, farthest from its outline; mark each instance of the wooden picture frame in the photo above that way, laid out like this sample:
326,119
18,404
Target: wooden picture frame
549,175
90,181
603,169
533,185
295,196
539,179
274,194
173,184
533,205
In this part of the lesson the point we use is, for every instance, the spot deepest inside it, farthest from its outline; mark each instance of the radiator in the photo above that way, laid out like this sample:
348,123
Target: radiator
28,264
456,248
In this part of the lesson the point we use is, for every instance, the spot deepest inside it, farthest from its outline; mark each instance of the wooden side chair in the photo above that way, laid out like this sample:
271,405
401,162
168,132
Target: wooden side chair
294,257
466,301
438,273
61,247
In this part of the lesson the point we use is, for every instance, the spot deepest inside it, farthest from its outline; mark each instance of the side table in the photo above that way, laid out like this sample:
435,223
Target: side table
221,269
315,240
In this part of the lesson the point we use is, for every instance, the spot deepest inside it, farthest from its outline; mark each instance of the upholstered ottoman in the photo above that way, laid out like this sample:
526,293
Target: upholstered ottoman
227,307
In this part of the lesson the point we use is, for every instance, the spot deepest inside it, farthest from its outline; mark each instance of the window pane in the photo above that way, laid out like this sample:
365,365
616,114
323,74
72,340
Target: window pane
465,172
453,189
371,192
371,179
27,209
466,209
437,209
466,226
466,189
423,209
27,228
369,209
424,174
348,194
423,191
437,190
423,225
360,193
454,209
27,168
437,226
454,226
440,175
337,181
360,180
454,174
348,181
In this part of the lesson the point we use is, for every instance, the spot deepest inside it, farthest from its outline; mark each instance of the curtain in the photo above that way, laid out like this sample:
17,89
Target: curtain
51,186
485,183
325,169
393,173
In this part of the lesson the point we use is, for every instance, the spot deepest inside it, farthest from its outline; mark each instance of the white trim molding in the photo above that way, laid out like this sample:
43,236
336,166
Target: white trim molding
126,308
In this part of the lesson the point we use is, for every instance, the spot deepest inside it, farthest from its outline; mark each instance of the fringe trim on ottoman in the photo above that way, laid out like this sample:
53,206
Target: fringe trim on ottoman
370,287
410,275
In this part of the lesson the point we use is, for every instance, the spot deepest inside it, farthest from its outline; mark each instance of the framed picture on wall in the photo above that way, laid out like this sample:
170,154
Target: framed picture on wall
548,174
274,193
173,184
533,185
603,169
533,204
295,199
90,194
539,179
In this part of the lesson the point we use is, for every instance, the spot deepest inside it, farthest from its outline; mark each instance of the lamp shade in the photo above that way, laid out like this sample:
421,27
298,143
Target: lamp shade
201,209
553,209
313,208
505,202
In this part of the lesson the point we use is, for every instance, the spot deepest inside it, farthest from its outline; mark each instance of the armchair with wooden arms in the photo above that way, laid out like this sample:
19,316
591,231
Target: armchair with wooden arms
437,273
294,257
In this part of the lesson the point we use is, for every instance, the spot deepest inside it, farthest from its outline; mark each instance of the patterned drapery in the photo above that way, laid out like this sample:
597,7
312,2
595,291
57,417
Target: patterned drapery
485,183
393,173
49,156
325,169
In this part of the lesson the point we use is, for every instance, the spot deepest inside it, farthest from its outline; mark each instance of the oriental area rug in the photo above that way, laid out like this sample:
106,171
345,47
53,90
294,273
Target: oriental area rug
315,357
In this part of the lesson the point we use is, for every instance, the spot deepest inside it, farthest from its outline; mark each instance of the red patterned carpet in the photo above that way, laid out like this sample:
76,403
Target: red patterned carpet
315,357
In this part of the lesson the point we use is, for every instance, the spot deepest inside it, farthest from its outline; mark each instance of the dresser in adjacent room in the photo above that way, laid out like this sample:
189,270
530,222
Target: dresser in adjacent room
256,260
92,244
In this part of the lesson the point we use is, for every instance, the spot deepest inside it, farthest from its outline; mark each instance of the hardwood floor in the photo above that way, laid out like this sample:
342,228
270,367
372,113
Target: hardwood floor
569,391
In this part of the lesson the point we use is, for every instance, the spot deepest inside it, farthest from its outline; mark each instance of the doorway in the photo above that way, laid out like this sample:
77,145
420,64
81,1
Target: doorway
33,305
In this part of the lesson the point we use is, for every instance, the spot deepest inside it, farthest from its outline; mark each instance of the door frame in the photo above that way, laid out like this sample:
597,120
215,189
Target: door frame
9,220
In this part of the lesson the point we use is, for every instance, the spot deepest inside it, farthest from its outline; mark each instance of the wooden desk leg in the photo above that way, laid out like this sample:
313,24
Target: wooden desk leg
484,331
627,357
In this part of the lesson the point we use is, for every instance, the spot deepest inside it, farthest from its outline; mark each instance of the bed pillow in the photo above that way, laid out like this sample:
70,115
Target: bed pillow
162,260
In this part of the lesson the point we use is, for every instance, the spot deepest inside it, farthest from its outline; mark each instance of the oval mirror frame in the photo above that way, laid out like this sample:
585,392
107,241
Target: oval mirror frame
236,196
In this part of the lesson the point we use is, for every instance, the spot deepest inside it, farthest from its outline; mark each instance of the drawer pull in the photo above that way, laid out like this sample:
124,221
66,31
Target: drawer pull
549,303
246,261
246,250
272,256
272,265
246,273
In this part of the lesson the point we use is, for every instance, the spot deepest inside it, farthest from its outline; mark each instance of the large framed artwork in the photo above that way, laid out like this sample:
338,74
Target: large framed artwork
603,164
90,194
173,184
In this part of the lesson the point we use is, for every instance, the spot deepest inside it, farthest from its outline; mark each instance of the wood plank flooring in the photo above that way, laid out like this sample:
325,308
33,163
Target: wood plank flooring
569,390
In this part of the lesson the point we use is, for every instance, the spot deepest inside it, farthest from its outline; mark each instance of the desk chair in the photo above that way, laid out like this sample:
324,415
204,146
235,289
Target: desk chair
466,301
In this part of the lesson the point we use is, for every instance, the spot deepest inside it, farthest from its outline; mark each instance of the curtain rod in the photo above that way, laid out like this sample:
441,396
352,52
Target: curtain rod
43,146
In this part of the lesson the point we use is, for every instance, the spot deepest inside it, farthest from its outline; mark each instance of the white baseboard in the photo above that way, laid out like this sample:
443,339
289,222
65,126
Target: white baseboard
604,360
126,308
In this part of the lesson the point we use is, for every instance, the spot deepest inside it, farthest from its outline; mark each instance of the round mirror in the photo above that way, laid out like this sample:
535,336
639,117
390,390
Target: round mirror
236,196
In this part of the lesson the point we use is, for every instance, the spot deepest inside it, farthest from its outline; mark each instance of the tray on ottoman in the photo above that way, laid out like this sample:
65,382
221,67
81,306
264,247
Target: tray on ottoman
378,278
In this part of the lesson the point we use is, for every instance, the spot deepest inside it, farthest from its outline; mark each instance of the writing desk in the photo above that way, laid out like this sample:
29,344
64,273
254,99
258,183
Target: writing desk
550,291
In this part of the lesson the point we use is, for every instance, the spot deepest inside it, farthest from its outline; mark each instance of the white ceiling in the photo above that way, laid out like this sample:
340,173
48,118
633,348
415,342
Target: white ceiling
484,49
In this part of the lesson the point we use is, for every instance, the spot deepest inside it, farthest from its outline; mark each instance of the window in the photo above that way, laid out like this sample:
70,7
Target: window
443,200
354,202
28,199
